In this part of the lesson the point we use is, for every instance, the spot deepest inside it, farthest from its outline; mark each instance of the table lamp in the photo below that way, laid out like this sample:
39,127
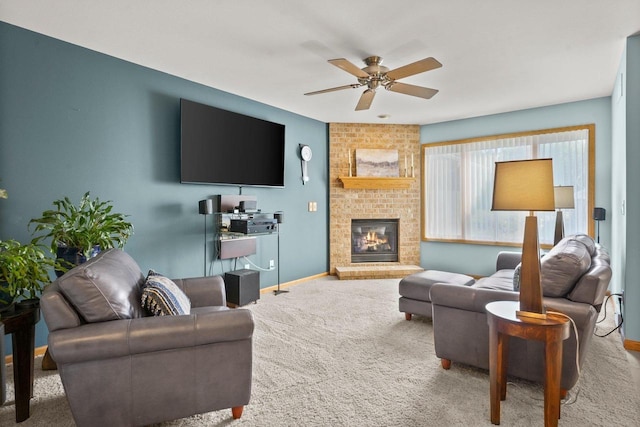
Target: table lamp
526,185
564,200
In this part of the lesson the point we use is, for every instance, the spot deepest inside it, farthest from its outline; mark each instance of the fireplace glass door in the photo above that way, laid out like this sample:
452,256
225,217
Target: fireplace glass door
374,240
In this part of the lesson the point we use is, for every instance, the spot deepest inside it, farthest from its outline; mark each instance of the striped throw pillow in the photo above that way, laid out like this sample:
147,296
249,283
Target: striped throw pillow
162,297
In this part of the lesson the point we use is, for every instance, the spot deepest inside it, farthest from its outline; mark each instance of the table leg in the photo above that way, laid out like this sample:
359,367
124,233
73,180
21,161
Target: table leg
553,372
497,371
503,357
23,347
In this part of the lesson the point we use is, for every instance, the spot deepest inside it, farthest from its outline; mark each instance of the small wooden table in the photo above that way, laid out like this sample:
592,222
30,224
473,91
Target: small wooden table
503,323
22,324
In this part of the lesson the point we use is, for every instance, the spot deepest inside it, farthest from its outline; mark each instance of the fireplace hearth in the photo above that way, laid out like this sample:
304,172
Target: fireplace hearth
374,240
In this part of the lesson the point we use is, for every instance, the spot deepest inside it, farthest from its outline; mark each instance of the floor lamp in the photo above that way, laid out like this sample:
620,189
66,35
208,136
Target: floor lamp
279,217
205,207
526,185
564,200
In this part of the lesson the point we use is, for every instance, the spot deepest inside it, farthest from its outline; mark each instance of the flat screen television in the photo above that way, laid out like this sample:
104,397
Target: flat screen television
226,148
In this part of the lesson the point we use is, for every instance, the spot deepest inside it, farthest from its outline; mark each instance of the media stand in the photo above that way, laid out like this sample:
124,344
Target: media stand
236,231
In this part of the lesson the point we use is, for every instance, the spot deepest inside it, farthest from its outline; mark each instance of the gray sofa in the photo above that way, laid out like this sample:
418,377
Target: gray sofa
121,366
575,277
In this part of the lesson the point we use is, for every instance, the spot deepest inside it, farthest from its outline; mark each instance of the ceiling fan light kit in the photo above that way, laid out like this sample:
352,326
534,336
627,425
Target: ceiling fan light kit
375,75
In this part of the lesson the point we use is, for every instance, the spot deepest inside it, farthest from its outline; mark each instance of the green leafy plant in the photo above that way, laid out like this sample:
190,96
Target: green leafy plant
90,223
24,269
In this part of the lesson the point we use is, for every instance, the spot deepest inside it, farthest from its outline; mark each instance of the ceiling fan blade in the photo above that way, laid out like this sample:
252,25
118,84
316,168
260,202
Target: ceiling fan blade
365,100
414,68
333,89
419,91
349,67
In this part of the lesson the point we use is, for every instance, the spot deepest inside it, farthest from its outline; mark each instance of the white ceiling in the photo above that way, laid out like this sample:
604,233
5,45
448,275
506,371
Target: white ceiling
497,55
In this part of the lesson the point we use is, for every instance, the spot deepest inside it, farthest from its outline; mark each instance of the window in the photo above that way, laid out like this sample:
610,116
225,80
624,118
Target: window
458,183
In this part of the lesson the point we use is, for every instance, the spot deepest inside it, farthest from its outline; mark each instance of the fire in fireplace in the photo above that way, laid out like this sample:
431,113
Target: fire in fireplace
374,240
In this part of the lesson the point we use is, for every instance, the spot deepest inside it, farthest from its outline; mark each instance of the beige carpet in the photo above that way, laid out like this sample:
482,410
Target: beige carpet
338,353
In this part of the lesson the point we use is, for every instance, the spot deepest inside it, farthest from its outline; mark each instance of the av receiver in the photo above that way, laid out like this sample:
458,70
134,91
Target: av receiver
253,225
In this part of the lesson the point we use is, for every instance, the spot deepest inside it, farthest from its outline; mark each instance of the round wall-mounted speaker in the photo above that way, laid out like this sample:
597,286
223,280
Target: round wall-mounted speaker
599,214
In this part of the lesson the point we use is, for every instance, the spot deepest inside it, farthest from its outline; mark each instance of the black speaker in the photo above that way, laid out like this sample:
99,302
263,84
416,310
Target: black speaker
242,286
205,207
279,217
599,214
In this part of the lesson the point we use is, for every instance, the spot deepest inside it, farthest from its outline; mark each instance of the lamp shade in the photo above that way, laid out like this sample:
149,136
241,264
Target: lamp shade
564,197
523,185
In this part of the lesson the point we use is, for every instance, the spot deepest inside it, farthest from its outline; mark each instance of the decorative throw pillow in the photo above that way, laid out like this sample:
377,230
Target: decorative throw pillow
562,266
162,297
516,278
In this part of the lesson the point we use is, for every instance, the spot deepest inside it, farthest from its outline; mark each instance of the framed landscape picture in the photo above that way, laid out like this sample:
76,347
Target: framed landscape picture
377,162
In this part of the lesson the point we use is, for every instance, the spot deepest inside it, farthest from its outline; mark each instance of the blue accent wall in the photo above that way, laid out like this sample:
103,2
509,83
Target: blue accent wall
73,120
481,259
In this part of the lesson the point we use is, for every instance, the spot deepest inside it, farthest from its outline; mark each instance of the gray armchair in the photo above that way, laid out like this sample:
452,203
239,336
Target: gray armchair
121,367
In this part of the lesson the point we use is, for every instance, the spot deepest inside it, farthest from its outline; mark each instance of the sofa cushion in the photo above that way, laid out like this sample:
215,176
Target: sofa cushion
592,286
501,280
106,287
563,265
162,297
418,285
587,241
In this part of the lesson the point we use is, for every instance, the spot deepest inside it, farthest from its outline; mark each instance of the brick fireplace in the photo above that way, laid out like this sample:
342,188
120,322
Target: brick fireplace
346,204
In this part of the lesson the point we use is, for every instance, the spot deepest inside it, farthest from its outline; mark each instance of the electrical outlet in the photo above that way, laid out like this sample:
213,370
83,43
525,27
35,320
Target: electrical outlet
247,266
272,264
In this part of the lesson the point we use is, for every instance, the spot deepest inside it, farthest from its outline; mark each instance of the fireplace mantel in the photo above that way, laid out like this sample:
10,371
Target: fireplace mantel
374,182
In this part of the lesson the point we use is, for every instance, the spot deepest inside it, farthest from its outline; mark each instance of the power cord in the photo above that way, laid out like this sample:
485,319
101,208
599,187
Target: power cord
570,401
257,266
605,316
575,332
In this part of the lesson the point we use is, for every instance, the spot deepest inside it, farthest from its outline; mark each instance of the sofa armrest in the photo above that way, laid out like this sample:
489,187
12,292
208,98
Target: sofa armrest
119,338
204,291
508,260
57,312
468,298
581,313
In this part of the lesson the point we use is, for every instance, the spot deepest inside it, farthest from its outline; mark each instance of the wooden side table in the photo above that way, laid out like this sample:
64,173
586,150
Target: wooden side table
22,324
503,323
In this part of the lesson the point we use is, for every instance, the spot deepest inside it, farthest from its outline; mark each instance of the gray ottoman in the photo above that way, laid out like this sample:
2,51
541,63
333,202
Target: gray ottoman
414,290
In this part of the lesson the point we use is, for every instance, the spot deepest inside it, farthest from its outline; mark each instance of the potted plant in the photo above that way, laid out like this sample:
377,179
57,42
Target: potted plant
24,271
79,232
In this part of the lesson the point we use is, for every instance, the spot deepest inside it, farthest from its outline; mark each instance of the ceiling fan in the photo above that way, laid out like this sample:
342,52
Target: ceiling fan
375,75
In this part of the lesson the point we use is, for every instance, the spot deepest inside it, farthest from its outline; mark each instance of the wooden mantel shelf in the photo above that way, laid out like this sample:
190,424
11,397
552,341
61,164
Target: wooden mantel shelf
374,182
